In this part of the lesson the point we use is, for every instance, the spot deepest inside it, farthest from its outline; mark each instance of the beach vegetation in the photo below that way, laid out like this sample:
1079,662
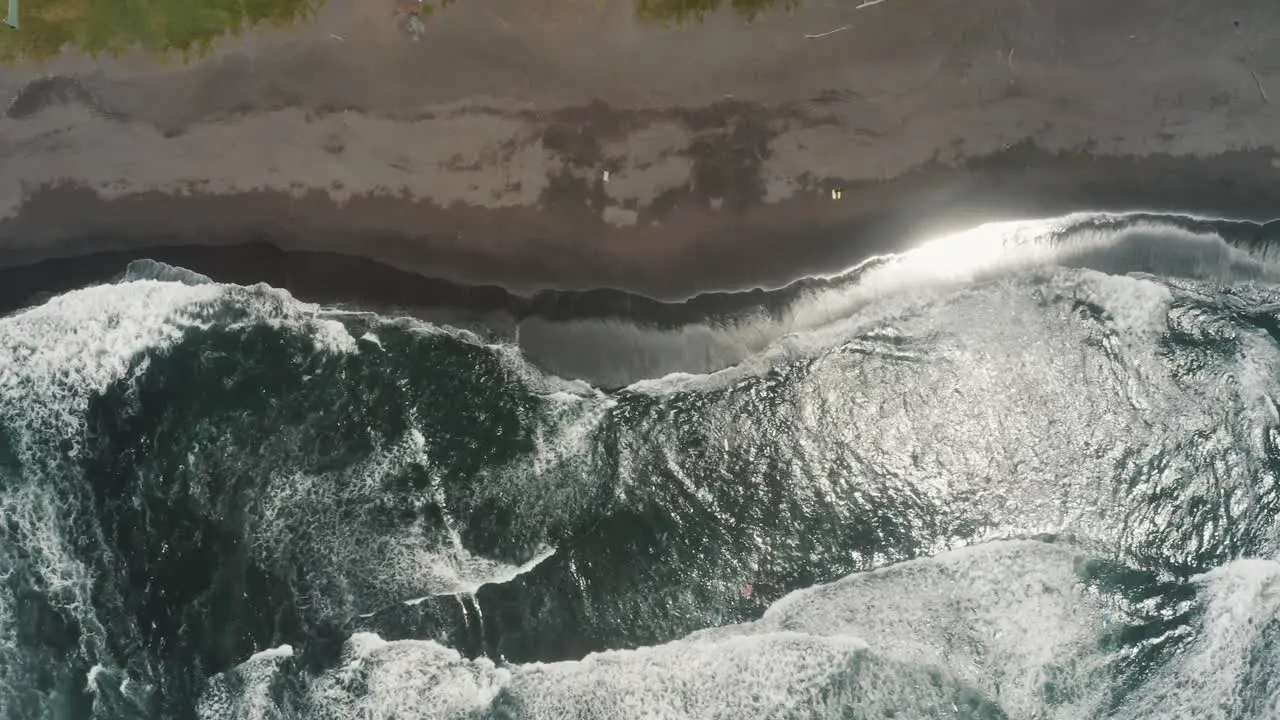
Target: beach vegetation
680,12
174,28
184,29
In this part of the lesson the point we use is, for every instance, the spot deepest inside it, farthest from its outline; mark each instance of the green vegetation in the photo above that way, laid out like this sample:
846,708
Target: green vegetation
190,27
163,27
679,12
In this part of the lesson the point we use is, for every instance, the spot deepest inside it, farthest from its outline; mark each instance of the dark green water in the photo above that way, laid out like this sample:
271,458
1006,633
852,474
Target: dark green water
1025,472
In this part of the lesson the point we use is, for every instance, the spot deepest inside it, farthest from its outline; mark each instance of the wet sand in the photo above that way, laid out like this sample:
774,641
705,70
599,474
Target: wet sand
610,338
531,146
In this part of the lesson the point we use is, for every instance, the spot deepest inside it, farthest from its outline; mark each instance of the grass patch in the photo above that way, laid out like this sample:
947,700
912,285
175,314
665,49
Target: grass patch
680,12
163,27
187,28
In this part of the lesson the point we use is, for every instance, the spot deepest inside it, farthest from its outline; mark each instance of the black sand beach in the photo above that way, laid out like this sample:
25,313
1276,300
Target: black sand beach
576,148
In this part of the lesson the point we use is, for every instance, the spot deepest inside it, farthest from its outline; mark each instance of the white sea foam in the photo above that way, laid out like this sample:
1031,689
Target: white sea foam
53,358
466,573
91,679
251,698
155,270
406,679
887,287
549,484
1049,401
332,336
1003,617
282,651
279,309
990,625
1230,668
921,639
332,529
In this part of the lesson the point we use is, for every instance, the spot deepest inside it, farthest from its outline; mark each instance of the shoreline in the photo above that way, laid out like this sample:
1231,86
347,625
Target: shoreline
343,280
682,254
607,337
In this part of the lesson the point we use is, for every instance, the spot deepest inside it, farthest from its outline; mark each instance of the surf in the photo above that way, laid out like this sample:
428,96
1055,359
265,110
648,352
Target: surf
866,497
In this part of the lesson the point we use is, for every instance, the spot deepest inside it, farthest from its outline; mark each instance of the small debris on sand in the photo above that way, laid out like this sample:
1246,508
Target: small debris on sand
829,32
1261,90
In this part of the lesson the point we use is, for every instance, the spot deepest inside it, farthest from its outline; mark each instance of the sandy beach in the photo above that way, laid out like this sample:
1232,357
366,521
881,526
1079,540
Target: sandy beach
559,145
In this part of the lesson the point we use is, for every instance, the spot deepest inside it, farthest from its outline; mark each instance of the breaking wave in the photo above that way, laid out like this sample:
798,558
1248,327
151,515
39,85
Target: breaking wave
1027,470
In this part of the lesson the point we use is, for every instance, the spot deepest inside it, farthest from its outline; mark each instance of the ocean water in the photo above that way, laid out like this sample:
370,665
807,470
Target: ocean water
1029,470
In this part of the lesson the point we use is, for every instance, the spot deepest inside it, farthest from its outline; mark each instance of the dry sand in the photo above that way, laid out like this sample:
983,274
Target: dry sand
562,144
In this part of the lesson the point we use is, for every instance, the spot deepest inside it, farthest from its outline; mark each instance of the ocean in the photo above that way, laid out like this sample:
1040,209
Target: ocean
1028,470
